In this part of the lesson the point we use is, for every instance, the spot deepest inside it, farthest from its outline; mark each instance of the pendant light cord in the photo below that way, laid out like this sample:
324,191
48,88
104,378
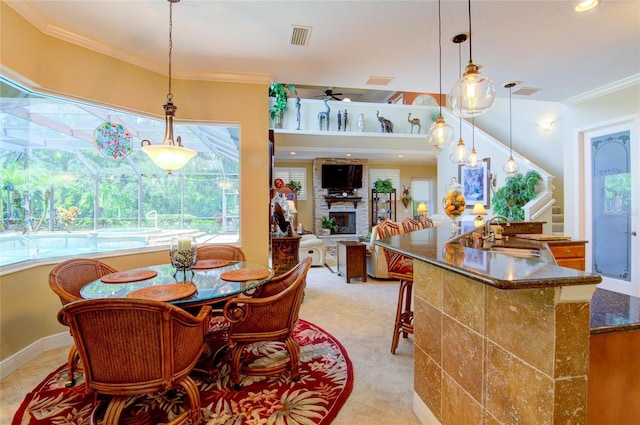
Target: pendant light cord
460,76
470,60
170,95
440,55
510,139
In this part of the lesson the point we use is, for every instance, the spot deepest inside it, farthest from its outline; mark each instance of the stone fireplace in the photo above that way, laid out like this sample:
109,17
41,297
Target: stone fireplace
352,212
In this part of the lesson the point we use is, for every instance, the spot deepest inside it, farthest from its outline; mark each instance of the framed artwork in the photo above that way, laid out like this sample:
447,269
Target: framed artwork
475,183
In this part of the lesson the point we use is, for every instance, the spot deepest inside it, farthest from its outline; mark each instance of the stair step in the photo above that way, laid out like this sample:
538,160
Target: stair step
556,210
557,218
557,228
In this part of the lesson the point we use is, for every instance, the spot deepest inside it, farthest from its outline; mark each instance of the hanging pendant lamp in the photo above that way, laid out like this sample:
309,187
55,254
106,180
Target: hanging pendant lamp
440,134
474,93
169,155
459,153
473,160
511,166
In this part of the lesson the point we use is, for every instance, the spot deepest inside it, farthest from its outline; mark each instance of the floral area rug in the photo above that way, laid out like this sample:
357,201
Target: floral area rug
326,380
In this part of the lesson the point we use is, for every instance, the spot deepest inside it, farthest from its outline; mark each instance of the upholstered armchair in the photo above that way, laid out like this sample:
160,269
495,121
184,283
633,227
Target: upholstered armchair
270,315
66,279
132,347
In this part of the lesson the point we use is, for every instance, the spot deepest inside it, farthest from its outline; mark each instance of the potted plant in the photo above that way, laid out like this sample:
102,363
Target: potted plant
406,198
279,91
328,224
517,191
295,186
383,186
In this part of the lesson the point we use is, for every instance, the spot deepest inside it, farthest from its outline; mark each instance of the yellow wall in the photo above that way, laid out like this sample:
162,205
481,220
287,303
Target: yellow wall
27,306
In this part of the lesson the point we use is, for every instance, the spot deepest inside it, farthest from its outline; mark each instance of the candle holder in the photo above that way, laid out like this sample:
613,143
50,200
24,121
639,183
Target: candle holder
183,253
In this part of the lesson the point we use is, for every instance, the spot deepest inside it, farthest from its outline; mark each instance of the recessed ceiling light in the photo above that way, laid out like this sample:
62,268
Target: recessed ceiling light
400,156
586,5
292,153
347,154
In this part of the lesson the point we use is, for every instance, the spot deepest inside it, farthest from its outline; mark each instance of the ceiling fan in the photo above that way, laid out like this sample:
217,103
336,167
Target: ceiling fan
331,94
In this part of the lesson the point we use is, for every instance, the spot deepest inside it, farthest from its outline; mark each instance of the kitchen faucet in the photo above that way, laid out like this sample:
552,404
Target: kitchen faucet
487,226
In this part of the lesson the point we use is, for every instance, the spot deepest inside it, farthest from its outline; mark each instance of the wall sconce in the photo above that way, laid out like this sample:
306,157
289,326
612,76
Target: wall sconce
479,211
546,125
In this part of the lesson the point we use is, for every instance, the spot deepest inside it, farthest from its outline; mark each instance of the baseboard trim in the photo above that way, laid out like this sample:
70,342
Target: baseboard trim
424,414
30,352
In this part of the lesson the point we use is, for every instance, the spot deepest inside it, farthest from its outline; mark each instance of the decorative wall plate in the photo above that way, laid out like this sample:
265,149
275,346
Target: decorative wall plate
113,140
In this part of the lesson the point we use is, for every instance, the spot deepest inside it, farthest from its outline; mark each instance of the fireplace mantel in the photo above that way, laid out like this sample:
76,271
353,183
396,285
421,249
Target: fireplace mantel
333,199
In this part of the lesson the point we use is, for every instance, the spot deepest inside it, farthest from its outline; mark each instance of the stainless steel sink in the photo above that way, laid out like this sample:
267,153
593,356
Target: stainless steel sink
516,252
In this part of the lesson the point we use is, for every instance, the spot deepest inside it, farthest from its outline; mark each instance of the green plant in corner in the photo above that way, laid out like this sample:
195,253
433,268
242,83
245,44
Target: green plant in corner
517,191
383,186
279,91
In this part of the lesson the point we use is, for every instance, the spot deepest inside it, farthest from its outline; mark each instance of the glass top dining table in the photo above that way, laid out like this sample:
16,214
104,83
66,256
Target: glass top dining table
209,286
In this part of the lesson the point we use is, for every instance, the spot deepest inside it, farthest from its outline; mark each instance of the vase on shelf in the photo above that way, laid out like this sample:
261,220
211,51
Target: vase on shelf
360,123
454,203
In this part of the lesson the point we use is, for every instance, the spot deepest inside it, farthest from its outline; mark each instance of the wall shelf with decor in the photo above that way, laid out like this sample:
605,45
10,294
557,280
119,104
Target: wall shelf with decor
399,115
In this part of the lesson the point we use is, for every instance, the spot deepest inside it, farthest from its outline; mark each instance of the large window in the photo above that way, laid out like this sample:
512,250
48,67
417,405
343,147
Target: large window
65,193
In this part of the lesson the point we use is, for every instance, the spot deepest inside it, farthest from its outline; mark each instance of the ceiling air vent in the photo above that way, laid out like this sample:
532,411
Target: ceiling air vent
300,35
379,81
526,91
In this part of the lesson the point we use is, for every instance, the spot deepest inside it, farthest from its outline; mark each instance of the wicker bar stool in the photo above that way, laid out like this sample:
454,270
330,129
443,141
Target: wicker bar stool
399,267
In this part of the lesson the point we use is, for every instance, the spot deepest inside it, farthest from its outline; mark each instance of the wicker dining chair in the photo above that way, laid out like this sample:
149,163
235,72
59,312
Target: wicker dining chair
220,252
132,347
271,315
217,326
66,279
399,267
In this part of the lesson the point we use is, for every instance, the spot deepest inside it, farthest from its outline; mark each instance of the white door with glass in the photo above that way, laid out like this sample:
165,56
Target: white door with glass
612,187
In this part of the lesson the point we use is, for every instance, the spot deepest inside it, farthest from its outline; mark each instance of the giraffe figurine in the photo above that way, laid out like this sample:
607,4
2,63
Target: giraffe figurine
414,121
324,115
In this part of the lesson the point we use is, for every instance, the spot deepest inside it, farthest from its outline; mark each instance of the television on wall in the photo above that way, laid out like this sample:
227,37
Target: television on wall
341,176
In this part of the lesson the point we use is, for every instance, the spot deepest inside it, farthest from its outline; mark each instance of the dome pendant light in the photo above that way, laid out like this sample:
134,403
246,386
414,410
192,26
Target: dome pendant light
511,166
169,155
440,134
474,93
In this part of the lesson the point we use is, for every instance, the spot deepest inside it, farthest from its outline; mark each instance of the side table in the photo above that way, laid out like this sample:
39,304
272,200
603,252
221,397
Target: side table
352,260
284,253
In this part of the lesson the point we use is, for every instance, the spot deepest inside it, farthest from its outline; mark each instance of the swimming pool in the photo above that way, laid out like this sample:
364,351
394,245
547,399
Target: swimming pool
17,247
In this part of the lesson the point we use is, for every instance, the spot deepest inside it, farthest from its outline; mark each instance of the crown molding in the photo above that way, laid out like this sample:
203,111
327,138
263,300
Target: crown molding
604,90
29,13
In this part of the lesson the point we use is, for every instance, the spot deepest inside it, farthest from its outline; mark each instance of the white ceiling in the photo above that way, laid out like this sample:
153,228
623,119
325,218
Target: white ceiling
544,44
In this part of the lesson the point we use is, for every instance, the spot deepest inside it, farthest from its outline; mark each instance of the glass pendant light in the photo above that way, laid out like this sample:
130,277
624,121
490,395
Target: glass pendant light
440,134
169,155
459,153
473,160
511,166
474,93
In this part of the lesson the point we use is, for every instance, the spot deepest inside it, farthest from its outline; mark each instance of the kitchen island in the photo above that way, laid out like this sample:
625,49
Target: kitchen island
500,337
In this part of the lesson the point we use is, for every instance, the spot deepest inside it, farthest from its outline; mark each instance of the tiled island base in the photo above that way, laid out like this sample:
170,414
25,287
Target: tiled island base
493,356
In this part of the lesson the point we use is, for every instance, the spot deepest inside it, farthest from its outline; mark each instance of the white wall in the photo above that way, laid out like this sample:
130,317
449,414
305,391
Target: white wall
589,113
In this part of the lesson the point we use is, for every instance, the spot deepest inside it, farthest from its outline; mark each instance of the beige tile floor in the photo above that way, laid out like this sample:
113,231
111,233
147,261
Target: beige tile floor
360,315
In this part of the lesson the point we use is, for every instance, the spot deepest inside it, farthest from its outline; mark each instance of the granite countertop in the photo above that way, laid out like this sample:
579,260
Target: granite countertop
610,311
614,312
438,246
